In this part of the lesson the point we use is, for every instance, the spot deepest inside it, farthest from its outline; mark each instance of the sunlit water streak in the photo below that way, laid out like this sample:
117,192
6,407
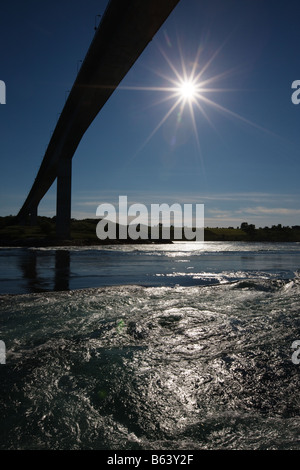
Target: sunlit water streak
170,366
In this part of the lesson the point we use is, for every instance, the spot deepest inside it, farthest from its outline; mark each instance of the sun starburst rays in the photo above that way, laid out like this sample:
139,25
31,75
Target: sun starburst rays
190,88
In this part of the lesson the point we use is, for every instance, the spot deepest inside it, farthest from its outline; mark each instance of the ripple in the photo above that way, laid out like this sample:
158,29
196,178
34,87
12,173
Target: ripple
131,367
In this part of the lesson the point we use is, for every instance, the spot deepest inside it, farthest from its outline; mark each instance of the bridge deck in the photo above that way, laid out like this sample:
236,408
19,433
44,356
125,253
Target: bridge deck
126,28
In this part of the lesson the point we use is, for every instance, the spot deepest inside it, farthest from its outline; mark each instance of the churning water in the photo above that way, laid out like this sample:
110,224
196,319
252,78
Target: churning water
180,346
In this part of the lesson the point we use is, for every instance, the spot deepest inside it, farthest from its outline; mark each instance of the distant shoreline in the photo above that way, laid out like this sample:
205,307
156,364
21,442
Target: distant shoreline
83,233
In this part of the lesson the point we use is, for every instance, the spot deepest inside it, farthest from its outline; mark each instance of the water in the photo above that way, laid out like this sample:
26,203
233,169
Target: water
184,346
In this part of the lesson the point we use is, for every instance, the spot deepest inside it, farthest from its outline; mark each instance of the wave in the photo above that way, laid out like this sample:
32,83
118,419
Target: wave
158,367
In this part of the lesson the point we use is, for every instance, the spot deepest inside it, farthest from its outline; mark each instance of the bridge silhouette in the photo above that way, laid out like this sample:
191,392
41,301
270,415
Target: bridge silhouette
126,28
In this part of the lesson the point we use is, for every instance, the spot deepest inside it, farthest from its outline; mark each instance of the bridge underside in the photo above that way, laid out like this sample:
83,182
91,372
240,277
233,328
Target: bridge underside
126,28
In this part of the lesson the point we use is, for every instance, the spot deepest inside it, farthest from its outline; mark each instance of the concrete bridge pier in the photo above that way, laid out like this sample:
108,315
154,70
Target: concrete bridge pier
63,198
33,216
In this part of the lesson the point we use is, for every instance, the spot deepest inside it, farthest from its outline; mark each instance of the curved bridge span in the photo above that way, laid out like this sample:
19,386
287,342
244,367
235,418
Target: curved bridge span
126,28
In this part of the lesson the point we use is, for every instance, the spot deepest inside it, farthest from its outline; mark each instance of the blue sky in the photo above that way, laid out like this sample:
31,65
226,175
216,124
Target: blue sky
240,155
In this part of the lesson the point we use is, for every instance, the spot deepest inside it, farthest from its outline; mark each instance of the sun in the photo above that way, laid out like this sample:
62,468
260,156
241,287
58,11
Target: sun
187,90
189,86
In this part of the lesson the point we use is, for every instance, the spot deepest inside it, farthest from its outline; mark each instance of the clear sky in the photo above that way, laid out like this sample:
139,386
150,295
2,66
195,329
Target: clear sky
233,146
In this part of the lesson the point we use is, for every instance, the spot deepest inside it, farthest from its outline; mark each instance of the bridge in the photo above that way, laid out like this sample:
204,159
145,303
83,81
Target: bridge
126,28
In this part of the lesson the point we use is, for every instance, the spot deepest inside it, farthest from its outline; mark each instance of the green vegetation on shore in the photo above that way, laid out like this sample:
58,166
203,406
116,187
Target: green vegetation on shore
83,232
